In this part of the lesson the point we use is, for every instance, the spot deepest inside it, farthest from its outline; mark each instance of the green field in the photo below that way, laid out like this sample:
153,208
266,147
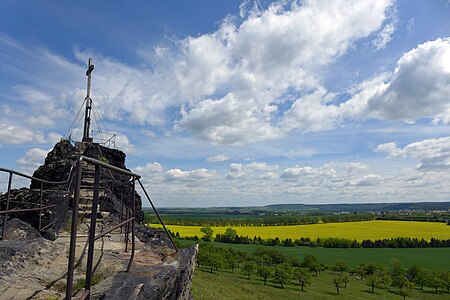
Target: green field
428,258
227,285
350,230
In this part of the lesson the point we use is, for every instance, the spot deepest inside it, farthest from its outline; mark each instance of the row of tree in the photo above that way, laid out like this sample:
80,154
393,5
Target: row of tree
231,236
263,221
282,269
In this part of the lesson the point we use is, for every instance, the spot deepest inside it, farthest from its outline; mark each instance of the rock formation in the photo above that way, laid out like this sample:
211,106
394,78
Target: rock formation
31,259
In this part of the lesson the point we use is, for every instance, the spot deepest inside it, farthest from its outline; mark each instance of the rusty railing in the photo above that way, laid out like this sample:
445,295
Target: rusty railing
40,207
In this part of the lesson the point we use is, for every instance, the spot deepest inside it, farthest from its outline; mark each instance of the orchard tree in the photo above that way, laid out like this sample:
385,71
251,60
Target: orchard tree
361,270
282,273
403,293
303,277
378,279
446,280
248,268
340,266
337,281
208,233
435,281
264,272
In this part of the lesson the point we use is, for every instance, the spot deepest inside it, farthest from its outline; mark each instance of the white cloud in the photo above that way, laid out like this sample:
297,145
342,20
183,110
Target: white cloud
251,170
191,176
14,134
419,86
367,180
432,154
391,149
149,168
255,63
33,159
218,158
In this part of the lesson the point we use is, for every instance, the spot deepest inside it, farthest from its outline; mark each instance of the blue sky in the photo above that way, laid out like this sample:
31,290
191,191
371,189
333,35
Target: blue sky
233,103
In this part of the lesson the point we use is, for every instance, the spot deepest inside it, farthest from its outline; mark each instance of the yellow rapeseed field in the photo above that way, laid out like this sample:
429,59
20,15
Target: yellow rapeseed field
350,230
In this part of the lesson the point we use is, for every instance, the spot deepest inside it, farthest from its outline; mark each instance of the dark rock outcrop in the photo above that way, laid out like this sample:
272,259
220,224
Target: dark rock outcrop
26,199
59,167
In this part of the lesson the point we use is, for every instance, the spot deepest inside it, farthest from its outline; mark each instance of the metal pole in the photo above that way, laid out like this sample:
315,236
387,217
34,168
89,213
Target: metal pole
159,218
133,209
73,232
90,257
7,206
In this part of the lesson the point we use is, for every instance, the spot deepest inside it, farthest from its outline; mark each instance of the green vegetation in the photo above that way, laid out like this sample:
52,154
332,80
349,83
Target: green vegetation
429,258
282,277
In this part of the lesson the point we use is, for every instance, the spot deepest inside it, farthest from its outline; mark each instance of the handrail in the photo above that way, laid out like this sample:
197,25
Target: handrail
33,178
8,195
157,214
92,236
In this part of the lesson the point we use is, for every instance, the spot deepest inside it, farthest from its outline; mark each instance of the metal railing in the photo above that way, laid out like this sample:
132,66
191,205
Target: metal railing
40,207
73,183
126,221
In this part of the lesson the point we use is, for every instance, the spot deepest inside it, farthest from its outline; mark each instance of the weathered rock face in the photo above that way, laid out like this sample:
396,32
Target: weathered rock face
25,198
170,279
34,268
59,165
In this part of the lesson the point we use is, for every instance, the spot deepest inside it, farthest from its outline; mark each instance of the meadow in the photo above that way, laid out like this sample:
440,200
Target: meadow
378,229
428,258
227,285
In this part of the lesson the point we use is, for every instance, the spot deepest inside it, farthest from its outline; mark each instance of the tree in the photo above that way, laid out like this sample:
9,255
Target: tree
397,269
231,234
377,279
303,277
403,293
435,281
340,267
361,270
208,233
264,272
345,280
282,273
337,281
248,268
421,279
446,280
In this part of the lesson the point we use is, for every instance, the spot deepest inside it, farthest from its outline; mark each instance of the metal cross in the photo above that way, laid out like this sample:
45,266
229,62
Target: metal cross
87,115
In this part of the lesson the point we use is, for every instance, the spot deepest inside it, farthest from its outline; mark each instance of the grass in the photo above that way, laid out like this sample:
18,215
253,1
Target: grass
428,258
372,230
227,285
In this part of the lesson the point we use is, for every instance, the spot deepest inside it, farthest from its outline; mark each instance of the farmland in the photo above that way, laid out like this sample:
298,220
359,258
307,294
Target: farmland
228,285
378,229
430,258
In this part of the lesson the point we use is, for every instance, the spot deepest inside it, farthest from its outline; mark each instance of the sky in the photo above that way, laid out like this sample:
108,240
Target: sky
238,103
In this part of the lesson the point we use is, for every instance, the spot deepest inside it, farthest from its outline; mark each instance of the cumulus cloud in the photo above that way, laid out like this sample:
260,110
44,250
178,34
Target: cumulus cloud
390,149
33,159
432,154
233,85
218,158
419,86
255,63
251,170
367,180
190,176
14,134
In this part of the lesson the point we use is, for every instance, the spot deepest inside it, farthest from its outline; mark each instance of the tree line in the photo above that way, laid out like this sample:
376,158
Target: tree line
231,236
281,269
263,221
